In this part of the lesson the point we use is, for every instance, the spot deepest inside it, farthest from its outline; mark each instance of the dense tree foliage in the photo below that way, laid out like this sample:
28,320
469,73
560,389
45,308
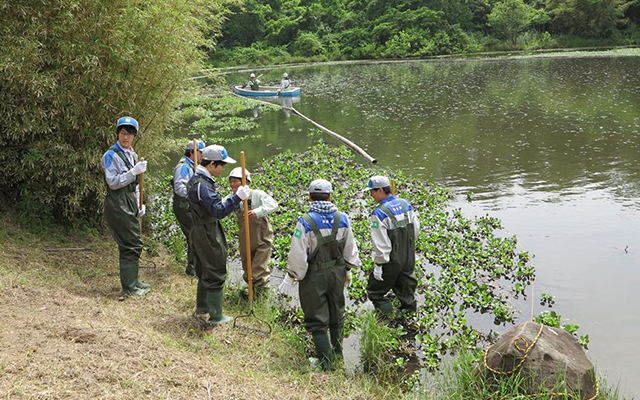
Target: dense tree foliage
262,30
69,69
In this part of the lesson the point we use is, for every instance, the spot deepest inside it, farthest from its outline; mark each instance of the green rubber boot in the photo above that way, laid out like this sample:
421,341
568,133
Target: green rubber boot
128,277
336,342
202,306
323,349
214,300
385,310
142,285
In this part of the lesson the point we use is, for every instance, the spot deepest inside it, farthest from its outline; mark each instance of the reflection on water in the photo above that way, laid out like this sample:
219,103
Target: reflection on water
550,146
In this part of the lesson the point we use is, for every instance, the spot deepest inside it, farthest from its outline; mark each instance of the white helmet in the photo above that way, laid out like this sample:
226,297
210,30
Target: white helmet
252,75
285,75
237,173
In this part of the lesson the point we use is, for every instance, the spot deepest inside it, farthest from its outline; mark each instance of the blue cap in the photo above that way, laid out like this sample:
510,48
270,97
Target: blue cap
201,145
217,153
376,182
127,121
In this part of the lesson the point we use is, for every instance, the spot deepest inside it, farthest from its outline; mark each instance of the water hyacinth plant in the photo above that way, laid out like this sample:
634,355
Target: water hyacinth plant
463,267
203,115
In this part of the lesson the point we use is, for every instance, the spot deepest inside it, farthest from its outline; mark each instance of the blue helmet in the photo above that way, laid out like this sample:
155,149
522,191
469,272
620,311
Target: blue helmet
127,121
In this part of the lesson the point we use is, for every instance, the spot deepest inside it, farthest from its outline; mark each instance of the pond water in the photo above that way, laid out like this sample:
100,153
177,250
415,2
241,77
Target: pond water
548,145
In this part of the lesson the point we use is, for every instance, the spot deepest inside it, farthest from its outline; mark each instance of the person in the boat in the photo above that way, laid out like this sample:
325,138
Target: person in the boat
253,83
284,83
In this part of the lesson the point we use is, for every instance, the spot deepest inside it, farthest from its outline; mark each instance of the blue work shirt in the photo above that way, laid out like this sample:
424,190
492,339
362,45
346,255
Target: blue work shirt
207,196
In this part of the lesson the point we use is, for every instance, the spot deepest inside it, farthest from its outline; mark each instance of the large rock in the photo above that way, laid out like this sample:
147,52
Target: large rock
555,353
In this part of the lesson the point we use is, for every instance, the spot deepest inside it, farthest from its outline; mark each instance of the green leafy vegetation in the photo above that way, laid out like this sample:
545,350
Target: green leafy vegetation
204,115
259,32
463,266
69,70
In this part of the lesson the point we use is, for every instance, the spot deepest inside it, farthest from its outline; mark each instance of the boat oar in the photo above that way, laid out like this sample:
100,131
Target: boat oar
247,241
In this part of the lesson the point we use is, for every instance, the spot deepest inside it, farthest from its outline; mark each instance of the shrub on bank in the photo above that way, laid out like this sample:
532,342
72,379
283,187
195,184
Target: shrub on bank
69,70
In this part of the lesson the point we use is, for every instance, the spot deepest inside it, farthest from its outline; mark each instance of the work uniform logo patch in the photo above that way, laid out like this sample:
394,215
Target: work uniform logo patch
375,225
297,233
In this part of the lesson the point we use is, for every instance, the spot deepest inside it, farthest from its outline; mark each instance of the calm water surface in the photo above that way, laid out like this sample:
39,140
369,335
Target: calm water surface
549,146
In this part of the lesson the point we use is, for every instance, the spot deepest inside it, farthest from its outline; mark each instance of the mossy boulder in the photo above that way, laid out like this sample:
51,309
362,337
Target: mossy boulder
546,358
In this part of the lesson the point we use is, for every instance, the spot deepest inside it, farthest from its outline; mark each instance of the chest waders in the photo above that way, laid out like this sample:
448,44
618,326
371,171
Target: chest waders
209,247
121,211
183,215
399,273
322,293
261,240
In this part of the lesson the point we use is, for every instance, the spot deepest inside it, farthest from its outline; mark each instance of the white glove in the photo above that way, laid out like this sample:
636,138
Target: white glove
286,286
139,168
377,273
347,281
142,211
243,192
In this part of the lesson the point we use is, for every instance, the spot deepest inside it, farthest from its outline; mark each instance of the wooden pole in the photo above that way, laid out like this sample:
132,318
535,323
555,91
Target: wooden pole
195,155
393,187
246,232
344,140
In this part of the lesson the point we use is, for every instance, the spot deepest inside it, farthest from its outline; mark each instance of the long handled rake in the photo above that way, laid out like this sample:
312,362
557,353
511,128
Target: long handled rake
249,271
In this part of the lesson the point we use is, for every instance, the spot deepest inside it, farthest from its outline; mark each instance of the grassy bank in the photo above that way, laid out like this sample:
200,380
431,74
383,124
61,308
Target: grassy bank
66,333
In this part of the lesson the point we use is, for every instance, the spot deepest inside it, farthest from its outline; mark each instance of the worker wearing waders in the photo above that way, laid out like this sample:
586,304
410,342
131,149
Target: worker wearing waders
260,231
323,251
207,239
181,175
394,229
122,171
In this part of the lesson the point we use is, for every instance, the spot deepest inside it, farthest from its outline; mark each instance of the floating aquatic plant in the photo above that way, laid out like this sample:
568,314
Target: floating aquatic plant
463,266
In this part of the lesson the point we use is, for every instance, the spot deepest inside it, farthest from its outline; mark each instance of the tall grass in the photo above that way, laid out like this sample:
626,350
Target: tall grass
379,343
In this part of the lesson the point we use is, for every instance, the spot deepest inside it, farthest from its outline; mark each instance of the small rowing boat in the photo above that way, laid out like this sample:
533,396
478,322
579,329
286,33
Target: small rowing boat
266,91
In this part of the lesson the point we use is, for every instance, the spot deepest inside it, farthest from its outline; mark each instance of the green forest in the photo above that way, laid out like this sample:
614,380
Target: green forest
265,31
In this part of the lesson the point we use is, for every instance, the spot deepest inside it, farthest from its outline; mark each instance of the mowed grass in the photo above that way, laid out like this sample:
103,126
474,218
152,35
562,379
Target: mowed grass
67,333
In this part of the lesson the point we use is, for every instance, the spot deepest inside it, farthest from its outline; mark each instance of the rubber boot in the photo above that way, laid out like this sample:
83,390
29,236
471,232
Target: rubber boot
128,278
323,350
214,300
385,310
202,307
336,342
142,285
